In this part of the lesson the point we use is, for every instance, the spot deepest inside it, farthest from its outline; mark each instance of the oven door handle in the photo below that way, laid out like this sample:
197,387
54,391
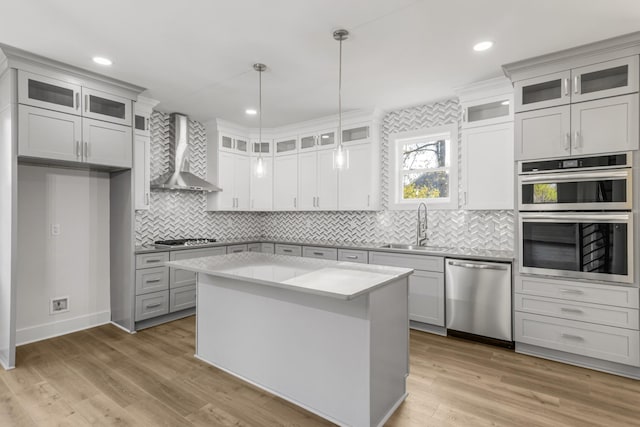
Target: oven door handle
575,176
573,217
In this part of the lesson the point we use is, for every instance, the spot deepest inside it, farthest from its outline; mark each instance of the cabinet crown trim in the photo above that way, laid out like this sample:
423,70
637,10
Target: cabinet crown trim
616,47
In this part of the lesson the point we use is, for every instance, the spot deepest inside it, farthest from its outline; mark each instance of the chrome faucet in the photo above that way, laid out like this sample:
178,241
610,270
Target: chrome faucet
421,233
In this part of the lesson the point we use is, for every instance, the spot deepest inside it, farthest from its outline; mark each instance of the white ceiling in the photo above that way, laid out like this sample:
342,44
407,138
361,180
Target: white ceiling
196,56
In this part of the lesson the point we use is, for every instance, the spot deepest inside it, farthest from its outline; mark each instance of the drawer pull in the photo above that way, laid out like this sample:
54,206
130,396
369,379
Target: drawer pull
152,281
571,310
319,253
572,291
352,256
153,305
235,251
287,250
573,337
150,261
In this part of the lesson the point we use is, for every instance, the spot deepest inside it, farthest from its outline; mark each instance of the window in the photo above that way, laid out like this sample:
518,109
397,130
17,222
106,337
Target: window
424,167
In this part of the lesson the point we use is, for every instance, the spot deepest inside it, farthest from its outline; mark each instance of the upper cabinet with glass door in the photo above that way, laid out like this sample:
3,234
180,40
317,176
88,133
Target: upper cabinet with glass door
234,144
45,92
601,80
356,134
285,145
487,111
105,106
264,148
318,140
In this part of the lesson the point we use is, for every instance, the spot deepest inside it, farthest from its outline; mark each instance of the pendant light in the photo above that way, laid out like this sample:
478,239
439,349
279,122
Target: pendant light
259,170
340,154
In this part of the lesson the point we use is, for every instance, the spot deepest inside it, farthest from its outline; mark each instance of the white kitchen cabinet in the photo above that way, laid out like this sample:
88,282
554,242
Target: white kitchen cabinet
106,144
285,183
358,186
545,91
141,171
45,92
49,134
285,146
487,111
487,167
605,125
426,284
234,143
321,140
261,188
426,297
543,133
101,105
143,108
605,79
359,133
234,177
317,181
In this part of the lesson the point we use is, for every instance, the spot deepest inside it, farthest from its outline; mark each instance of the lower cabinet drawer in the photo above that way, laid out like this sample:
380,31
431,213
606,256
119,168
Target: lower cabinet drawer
254,247
617,295
417,262
586,339
152,280
236,249
594,313
152,305
182,298
353,256
152,259
321,253
292,250
267,248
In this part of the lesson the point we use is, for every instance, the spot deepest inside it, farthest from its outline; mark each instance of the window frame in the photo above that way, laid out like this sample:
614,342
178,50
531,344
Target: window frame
396,142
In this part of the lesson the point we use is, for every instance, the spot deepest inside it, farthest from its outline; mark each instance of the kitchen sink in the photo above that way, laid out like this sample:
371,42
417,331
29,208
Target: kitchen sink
415,247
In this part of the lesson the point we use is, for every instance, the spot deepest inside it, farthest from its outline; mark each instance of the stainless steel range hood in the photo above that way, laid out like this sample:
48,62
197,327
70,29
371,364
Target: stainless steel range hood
179,177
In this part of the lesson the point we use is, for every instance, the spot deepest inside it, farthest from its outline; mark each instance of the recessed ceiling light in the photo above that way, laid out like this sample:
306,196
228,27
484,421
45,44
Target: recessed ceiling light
479,47
505,102
251,111
101,60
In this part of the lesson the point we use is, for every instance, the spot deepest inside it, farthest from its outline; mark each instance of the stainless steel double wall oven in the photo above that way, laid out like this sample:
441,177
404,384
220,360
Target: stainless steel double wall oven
576,217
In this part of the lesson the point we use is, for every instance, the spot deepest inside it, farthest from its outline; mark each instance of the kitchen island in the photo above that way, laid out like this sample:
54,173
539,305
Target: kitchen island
331,337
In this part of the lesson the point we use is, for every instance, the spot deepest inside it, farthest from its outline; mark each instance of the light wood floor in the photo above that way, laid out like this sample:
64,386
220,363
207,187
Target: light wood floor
104,376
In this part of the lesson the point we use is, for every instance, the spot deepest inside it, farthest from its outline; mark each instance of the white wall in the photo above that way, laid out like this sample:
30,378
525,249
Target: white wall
75,263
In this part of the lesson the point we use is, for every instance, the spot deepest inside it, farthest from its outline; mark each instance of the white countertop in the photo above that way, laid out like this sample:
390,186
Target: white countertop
343,280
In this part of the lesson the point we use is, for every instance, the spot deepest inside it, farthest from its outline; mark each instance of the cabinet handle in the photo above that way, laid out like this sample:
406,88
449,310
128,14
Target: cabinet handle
566,87
147,120
235,251
318,202
295,202
314,201
464,198
571,310
464,115
146,196
77,149
77,100
318,253
153,305
567,141
86,103
576,139
351,257
576,84
573,337
153,281
86,150
150,261
287,250
572,291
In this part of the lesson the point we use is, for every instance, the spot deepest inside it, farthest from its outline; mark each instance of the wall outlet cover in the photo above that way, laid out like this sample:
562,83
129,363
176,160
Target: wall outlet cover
59,305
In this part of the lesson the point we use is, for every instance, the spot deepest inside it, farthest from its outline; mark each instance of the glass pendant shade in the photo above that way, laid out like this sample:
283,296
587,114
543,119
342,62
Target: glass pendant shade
259,170
341,158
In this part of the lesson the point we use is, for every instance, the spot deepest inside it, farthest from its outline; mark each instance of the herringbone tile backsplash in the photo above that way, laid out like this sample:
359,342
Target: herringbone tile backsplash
182,214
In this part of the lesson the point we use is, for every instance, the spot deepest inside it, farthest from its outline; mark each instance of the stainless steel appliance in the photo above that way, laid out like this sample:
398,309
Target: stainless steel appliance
479,298
182,242
586,245
586,183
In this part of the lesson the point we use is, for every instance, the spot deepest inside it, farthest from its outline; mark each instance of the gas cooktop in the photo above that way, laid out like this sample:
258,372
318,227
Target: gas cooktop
182,242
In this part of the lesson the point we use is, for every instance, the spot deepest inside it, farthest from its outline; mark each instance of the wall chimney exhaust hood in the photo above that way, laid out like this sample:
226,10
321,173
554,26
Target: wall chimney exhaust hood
179,176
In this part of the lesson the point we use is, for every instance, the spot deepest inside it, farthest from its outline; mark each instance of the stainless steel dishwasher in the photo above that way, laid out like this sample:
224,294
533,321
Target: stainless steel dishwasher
479,299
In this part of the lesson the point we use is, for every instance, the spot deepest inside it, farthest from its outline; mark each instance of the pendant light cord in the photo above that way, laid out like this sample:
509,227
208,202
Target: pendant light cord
260,108
340,97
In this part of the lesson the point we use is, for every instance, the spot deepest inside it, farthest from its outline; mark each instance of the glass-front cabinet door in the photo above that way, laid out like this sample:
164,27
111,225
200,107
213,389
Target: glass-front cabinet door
263,148
104,106
605,79
241,145
356,134
541,92
45,92
489,111
327,139
286,146
308,142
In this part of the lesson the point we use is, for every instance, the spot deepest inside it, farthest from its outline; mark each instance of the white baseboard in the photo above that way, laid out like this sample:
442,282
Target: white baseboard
61,327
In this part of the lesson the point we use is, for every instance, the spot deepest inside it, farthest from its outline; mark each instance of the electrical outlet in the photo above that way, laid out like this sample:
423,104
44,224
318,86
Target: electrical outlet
55,229
59,305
